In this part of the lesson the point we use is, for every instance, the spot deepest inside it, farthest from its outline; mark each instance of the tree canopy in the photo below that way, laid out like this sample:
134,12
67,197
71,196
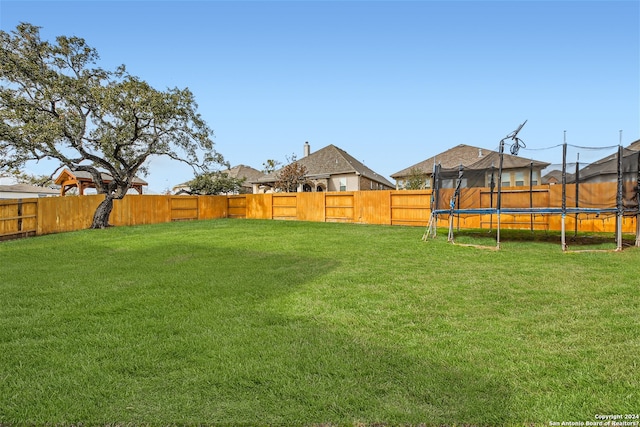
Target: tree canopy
270,166
290,177
216,183
417,179
55,104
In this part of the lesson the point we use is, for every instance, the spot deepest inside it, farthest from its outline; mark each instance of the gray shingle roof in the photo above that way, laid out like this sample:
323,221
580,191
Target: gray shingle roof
105,177
243,171
332,160
27,188
609,165
449,159
508,162
469,157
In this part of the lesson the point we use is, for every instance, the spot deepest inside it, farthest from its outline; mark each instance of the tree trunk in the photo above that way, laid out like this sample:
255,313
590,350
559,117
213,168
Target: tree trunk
103,211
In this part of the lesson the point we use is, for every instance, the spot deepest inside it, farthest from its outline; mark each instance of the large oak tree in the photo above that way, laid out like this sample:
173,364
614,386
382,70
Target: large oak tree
56,104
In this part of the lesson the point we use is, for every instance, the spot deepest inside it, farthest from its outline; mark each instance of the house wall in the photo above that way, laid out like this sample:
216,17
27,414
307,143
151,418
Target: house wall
351,180
366,184
600,179
515,177
342,182
483,179
401,183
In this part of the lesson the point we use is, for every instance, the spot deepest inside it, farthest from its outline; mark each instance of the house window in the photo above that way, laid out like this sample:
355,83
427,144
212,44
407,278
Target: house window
427,183
400,184
343,184
506,179
534,178
519,179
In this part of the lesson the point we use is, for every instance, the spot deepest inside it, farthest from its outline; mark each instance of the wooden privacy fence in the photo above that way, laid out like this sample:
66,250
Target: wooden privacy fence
18,218
411,208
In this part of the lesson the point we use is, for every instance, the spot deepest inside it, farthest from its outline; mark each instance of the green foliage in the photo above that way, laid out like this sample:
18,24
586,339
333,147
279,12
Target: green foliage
416,180
37,180
234,322
55,104
216,183
270,166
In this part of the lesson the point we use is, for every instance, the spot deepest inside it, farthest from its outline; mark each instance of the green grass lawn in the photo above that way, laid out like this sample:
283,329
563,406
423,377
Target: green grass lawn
290,323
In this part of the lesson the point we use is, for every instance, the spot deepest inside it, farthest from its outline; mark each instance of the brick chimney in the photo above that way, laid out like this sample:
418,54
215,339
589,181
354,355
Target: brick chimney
307,149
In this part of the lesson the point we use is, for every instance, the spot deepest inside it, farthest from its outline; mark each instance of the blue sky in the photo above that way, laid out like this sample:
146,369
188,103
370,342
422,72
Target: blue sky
392,83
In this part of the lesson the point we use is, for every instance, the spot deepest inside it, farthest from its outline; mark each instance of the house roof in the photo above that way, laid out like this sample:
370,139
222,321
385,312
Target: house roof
469,157
555,176
27,188
509,161
452,158
86,176
609,165
332,160
243,171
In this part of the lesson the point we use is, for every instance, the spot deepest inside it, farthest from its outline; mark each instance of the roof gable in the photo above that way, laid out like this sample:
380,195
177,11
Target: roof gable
509,161
332,160
243,171
469,157
461,154
67,175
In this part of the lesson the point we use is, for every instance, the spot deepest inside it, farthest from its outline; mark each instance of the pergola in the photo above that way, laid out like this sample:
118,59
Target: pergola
83,180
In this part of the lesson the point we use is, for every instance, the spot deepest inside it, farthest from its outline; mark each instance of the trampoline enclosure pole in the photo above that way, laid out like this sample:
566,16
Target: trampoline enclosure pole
619,202
531,192
638,199
564,193
577,182
499,201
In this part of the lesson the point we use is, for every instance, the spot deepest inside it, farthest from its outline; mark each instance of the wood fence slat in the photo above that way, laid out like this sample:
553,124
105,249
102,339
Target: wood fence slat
390,207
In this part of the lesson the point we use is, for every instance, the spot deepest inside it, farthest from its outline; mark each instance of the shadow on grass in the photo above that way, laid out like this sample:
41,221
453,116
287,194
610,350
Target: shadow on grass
572,239
195,334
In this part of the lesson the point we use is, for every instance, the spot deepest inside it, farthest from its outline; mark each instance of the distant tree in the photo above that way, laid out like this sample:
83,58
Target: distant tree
215,183
55,105
291,176
270,166
417,179
37,180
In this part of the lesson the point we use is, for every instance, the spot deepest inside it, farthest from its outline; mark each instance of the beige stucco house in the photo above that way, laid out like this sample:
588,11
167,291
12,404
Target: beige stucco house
329,169
480,168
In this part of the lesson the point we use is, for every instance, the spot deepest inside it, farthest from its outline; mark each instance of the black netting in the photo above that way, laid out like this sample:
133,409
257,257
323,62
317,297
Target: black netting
584,179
